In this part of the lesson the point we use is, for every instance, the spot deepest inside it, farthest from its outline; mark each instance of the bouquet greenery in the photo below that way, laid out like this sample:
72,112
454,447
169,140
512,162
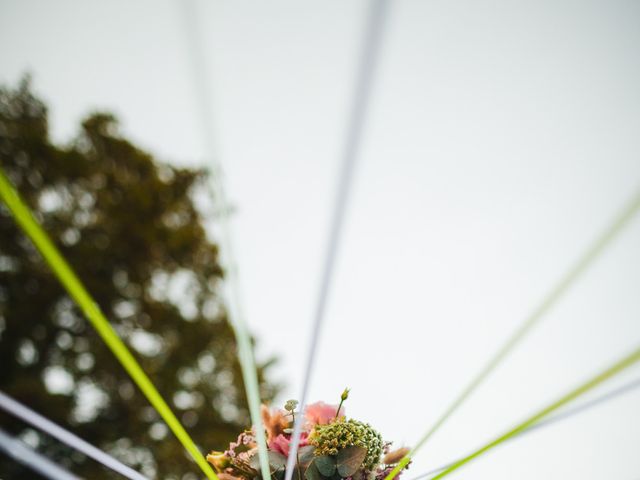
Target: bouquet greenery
332,447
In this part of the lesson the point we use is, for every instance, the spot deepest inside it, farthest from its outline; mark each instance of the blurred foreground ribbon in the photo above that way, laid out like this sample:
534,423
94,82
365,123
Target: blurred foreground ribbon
21,453
20,411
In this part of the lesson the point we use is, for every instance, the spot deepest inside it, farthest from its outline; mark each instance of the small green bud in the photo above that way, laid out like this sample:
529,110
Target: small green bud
219,460
291,405
345,394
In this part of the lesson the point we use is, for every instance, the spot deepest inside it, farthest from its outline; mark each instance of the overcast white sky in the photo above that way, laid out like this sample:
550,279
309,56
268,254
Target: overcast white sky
502,137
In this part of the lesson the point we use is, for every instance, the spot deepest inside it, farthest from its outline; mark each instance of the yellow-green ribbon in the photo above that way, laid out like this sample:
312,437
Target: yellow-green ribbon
561,288
78,292
613,370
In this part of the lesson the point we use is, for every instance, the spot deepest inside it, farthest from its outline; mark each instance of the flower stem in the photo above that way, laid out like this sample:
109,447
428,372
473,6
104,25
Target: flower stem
293,421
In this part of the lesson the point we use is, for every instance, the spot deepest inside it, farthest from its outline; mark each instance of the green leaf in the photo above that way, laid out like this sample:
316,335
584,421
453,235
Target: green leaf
297,474
312,472
326,465
350,459
359,475
254,461
277,461
306,455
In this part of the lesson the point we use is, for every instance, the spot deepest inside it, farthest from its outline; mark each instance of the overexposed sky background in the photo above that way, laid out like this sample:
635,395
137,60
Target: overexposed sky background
503,136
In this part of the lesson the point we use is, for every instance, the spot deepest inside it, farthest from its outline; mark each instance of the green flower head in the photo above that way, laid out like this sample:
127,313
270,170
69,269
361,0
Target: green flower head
330,439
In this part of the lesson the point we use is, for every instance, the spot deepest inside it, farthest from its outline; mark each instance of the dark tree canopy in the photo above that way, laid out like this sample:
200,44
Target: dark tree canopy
128,226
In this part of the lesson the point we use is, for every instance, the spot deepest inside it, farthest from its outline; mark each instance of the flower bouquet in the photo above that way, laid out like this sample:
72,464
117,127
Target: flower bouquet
332,447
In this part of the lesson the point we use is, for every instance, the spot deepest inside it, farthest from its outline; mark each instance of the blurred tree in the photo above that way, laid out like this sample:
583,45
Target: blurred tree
129,227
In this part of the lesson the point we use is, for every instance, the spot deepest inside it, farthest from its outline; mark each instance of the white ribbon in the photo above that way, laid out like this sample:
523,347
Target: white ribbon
33,460
18,410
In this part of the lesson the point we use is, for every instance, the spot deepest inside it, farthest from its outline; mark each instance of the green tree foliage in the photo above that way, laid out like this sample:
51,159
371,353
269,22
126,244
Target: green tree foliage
129,227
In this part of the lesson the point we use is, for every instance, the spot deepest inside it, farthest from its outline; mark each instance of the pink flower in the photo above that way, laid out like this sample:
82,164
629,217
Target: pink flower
321,413
281,443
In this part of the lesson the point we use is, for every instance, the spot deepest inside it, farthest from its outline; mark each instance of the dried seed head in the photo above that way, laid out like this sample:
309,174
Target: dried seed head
395,456
291,405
